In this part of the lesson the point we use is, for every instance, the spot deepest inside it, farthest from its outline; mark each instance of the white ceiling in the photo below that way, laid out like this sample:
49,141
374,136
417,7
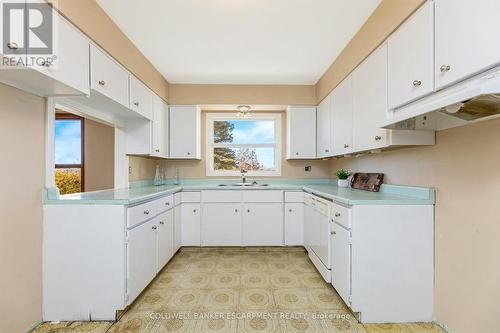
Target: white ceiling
240,41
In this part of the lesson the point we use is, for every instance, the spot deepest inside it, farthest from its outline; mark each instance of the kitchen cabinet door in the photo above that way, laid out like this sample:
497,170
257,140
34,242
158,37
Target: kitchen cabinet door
411,58
141,258
301,132
177,227
108,78
341,261
190,220
324,129
141,98
370,101
467,34
160,127
263,224
165,238
342,113
71,66
185,140
221,224
294,224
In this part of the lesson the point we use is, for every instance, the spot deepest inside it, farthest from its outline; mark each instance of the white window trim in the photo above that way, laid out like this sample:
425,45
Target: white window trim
211,117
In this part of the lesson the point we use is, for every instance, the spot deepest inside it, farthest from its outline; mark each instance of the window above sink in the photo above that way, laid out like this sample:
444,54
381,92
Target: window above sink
252,144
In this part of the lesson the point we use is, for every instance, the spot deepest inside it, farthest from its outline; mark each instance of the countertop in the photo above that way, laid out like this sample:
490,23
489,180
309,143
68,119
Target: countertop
388,195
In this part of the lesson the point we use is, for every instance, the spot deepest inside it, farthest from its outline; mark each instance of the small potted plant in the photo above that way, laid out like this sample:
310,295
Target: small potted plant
342,176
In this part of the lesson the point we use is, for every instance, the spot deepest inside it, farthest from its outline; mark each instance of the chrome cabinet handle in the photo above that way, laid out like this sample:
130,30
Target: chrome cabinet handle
154,227
146,212
444,68
333,233
102,83
161,222
157,150
377,138
346,146
12,45
167,203
417,83
337,214
136,103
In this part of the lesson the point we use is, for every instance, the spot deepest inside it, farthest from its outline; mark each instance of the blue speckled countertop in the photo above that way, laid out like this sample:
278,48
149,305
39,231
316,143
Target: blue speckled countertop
388,195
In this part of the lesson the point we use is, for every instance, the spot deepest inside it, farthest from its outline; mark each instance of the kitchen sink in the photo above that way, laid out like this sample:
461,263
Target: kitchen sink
244,184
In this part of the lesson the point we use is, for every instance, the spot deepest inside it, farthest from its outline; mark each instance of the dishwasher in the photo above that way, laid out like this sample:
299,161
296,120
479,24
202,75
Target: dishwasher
317,233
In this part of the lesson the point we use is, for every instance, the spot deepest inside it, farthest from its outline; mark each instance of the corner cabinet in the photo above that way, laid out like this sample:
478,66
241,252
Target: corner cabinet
301,132
185,132
467,34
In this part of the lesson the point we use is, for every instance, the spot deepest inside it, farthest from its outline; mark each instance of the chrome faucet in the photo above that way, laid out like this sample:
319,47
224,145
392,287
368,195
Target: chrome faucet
243,176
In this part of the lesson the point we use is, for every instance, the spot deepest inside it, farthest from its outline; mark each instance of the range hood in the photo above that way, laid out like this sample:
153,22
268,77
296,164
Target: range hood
472,100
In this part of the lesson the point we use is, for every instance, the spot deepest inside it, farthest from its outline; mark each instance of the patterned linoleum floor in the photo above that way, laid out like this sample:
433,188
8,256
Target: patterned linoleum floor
237,290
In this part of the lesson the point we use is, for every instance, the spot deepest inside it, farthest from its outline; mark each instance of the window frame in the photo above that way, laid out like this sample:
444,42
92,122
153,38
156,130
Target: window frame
210,145
69,116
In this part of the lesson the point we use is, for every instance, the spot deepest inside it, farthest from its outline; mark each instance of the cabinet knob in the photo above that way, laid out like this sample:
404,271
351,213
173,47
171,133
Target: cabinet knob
290,210
167,203
417,83
337,214
378,138
194,210
346,146
236,210
248,210
146,212
296,153
136,103
12,45
102,83
162,223
189,153
444,68
333,233
154,227
327,151
157,150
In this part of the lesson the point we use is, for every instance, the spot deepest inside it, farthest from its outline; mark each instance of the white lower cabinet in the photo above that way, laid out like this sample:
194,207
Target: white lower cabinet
191,222
341,261
177,226
263,224
294,223
165,238
141,258
221,224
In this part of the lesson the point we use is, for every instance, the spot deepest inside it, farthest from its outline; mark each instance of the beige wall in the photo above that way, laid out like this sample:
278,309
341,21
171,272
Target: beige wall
99,156
143,168
242,94
384,20
89,17
22,172
464,168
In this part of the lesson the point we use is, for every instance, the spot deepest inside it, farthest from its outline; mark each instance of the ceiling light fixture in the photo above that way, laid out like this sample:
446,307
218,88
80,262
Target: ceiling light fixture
244,111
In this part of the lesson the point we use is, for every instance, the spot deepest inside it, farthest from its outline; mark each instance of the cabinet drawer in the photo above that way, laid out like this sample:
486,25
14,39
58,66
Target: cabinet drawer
341,215
221,196
190,197
140,213
164,203
294,196
262,196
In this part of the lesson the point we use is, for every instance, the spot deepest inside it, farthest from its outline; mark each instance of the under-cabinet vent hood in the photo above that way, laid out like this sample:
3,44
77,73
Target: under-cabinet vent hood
468,101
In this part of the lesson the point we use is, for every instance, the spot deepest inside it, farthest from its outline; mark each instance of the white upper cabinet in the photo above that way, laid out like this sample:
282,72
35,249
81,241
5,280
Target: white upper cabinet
301,132
342,113
66,74
467,35
185,128
108,78
370,101
141,98
160,127
411,58
324,129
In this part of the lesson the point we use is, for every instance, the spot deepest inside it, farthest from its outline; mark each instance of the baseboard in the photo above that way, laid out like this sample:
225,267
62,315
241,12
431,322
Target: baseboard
33,326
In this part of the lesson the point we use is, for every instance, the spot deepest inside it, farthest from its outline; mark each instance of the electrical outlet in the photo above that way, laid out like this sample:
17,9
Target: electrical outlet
307,168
